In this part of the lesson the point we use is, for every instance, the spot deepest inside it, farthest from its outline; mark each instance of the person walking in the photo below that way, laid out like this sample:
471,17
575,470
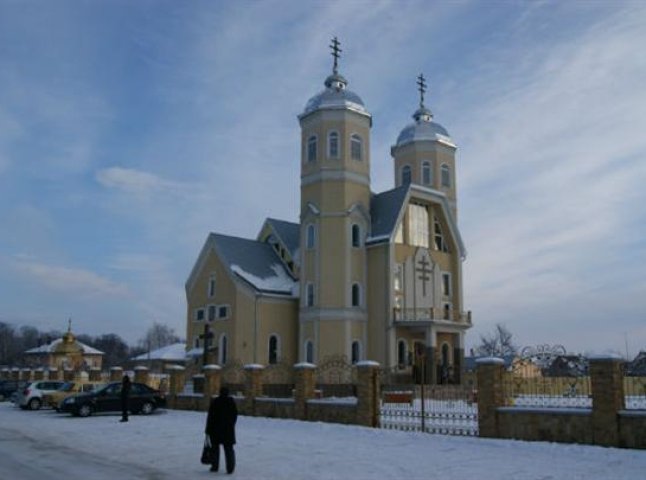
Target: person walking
220,427
125,395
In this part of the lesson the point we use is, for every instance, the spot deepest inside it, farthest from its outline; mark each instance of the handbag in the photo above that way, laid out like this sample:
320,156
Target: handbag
207,451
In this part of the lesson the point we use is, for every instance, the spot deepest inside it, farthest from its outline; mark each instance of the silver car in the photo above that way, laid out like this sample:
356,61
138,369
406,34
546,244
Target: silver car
31,396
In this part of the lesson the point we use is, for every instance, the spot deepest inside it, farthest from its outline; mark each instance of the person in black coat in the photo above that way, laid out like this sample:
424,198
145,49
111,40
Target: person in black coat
125,395
220,427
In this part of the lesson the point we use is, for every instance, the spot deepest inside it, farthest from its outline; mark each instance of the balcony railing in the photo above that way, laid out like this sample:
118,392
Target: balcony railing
431,314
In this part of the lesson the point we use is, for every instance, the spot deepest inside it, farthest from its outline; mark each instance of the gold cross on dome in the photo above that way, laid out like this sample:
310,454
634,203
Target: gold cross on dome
421,82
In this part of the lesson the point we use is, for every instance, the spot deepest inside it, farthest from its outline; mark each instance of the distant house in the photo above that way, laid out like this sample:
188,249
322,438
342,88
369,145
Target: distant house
567,366
637,367
65,353
156,360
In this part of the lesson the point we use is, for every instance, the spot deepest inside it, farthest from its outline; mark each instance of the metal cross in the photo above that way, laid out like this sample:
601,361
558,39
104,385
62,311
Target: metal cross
421,82
424,277
207,336
336,53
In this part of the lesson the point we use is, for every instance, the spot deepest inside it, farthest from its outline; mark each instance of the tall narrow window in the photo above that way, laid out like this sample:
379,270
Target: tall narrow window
440,241
406,175
273,350
211,313
401,353
397,277
356,352
310,236
309,352
311,148
199,314
223,349
196,342
333,145
356,295
445,176
309,294
356,235
447,311
418,231
446,284
211,286
427,173
356,147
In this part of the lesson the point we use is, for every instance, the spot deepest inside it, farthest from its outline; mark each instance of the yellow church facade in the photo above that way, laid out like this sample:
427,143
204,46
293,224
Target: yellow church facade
364,275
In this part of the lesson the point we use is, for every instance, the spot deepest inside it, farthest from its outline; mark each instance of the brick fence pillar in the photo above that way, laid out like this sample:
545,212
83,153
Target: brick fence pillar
141,374
368,393
5,374
253,386
212,382
607,382
68,375
490,394
39,374
53,373
15,374
116,374
304,386
26,374
176,383
95,375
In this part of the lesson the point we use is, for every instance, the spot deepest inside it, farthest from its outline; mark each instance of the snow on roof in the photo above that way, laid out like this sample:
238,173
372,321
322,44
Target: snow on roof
175,352
51,348
280,282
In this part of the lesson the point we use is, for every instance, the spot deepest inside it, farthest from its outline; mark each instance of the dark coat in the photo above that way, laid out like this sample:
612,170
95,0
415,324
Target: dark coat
125,388
221,420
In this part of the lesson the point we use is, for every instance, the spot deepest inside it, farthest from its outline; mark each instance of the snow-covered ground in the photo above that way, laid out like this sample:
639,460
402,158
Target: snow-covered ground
167,445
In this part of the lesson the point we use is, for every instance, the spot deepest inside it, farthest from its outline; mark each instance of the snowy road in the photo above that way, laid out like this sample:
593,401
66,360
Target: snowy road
45,445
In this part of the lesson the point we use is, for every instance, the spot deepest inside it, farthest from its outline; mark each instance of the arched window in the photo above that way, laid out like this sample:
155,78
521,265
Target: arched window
274,349
440,241
356,352
356,295
223,349
309,294
310,236
312,148
401,353
356,235
211,290
406,175
309,351
356,147
445,176
447,311
427,173
333,145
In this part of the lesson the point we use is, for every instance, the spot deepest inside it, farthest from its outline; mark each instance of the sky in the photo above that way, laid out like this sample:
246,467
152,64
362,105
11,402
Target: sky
130,130
272,448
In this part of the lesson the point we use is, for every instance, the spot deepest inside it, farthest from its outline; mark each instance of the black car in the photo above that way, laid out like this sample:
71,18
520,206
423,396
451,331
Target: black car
142,399
8,387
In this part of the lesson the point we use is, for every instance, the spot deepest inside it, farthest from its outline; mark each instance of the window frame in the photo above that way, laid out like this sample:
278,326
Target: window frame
356,302
223,349
309,351
355,235
427,171
211,312
210,290
407,173
446,284
310,236
309,294
199,311
401,363
311,154
337,137
356,140
354,359
445,176
276,359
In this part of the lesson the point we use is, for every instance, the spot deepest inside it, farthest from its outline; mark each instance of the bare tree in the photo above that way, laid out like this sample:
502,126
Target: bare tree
158,336
498,343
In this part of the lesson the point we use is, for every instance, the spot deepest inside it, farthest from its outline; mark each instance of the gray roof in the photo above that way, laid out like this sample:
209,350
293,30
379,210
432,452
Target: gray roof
422,130
384,211
335,96
289,233
255,262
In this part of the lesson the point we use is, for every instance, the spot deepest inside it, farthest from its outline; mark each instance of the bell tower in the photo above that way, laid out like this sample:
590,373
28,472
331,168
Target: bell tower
334,219
424,153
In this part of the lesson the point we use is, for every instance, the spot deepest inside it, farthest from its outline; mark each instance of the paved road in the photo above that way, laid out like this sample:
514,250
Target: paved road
28,458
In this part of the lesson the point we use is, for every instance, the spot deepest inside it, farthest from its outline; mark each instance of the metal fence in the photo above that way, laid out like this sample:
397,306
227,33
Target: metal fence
635,392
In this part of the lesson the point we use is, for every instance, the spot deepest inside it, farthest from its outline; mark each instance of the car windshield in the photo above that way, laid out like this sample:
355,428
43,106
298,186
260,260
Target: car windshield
66,387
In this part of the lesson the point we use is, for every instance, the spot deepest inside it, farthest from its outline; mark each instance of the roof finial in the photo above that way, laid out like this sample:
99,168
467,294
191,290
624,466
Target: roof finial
421,82
336,53
69,324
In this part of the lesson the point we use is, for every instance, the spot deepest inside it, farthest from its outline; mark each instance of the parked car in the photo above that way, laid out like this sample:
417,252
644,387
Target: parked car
8,387
31,396
143,399
54,399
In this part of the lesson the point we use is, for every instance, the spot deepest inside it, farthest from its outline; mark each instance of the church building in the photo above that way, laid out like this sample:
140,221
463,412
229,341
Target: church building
365,275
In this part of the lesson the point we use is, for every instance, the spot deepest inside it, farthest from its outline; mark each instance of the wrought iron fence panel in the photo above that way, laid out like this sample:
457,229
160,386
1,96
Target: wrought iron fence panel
278,373
233,377
635,392
335,369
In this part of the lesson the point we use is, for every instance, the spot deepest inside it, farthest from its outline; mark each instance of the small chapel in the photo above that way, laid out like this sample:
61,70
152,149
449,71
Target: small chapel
361,275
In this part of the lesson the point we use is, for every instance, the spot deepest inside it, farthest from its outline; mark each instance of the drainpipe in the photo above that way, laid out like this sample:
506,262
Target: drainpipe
255,328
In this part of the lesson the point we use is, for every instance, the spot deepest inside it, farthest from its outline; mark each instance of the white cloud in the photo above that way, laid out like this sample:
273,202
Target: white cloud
70,280
136,181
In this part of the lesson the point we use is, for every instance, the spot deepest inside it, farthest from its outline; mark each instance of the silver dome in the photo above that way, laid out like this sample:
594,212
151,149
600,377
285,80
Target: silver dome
335,96
424,128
